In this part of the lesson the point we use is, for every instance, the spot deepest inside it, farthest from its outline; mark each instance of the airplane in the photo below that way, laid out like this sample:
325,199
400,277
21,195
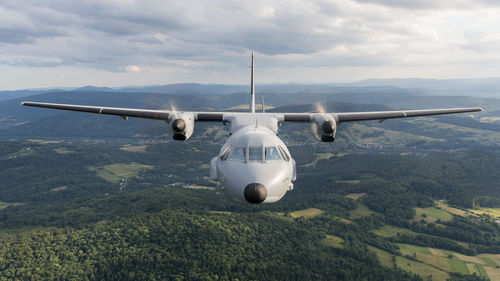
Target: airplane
254,165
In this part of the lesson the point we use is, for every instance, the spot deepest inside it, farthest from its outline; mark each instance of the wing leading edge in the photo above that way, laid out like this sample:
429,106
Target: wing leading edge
382,115
219,116
126,112
376,115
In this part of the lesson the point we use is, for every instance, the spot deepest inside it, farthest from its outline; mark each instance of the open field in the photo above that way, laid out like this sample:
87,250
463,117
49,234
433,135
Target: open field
493,273
422,269
364,134
115,172
439,263
353,182
451,210
431,215
342,220
361,211
390,231
23,152
407,249
308,213
4,205
355,196
494,258
492,212
63,151
43,141
385,258
450,261
194,186
333,241
489,119
60,188
138,148
221,212
319,156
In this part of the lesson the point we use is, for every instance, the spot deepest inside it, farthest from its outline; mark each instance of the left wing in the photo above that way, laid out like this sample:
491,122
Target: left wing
127,112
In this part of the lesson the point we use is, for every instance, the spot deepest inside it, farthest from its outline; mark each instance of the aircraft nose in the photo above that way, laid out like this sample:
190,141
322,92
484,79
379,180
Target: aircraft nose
255,193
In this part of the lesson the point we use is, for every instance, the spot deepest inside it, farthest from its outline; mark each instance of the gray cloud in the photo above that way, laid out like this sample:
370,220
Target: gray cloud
432,4
195,36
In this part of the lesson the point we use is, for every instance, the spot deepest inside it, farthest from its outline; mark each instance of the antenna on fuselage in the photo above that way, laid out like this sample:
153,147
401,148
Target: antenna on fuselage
252,82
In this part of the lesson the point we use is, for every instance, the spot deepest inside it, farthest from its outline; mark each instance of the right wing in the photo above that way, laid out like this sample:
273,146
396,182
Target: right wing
375,115
382,115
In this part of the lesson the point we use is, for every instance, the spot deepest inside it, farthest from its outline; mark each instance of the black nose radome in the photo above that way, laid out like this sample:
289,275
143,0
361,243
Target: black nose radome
255,193
327,127
178,125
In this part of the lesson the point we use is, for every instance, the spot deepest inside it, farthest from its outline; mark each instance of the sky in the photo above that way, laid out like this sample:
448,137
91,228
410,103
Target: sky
114,43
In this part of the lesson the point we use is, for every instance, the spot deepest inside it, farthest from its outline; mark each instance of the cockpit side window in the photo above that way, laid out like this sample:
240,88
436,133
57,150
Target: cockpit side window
238,153
272,153
284,154
255,154
225,154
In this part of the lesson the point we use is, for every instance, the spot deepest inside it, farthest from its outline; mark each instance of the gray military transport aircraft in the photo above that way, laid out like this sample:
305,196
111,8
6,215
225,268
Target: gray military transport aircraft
254,164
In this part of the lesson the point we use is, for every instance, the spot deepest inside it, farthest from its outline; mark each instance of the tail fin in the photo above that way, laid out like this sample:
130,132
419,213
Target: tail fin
252,105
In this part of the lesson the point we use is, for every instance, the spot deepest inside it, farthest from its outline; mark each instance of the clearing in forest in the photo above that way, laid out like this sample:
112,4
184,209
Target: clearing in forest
319,156
390,231
492,212
307,213
355,196
431,215
115,172
4,205
137,148
450,261
333,241
454,211
43,141
361,211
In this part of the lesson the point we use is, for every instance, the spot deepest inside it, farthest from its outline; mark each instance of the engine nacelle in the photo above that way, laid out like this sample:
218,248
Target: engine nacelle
182,125
324,127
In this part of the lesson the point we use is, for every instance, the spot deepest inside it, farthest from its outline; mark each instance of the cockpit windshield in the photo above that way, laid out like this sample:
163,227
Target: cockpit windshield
252,153
272,153
255,154
238,154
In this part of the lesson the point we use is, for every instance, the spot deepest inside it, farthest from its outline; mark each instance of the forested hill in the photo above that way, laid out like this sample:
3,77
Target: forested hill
90,197
124,211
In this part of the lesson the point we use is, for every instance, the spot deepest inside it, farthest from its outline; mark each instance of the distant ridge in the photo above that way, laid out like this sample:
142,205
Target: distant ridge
487,87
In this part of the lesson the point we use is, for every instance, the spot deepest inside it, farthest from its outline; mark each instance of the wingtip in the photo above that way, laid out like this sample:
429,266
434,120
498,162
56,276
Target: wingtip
22,103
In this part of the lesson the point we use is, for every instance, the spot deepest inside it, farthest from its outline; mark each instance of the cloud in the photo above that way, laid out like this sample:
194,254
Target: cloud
133,68
195,38
432,4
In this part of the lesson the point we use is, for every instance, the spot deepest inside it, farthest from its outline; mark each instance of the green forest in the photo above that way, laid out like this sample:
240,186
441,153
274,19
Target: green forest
75,209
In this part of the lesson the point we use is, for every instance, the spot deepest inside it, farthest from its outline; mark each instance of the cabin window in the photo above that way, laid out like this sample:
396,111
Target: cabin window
272,153
238,154
255,154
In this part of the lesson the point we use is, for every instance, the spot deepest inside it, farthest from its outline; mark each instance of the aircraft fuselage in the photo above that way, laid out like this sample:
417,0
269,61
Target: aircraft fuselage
254,165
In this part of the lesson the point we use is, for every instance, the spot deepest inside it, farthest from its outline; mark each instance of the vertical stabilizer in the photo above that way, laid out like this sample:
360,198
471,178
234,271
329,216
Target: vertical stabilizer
252,105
